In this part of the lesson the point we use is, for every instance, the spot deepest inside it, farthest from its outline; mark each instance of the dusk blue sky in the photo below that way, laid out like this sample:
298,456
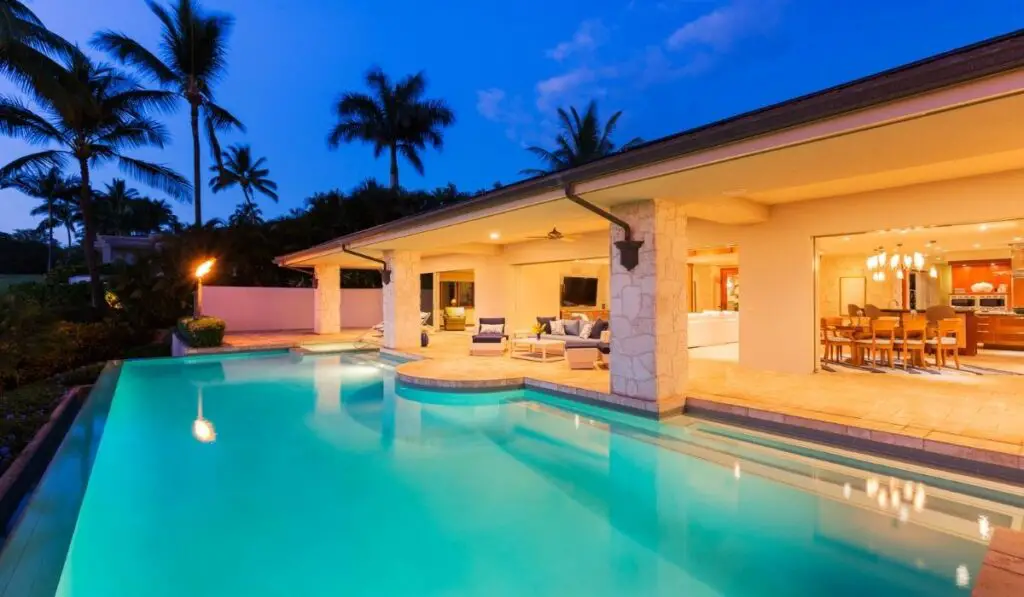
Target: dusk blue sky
505,66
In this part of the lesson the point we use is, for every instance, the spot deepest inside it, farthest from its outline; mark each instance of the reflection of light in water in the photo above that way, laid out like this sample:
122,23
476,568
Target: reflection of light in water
871,488
576,421
963,576
919,498
360,371
908,492
984,528
202,429
883,498
736,470
904,513
895,500
847,490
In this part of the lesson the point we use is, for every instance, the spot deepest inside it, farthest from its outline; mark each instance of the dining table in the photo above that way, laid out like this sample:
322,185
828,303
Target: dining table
860,331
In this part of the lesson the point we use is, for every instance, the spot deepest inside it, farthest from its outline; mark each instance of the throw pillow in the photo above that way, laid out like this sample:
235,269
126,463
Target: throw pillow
492,328
557,327
572,327
585,329
546,321
599,326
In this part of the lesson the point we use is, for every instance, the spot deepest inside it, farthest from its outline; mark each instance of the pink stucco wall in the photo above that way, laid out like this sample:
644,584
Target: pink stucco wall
247,309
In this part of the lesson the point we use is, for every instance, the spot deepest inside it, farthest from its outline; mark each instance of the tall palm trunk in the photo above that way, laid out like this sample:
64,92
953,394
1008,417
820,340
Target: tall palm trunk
67,226
394,167
89,237
196,183
49,220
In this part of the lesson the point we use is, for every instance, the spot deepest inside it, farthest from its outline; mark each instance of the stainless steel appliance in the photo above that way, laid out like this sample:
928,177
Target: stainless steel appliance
992,302
963,301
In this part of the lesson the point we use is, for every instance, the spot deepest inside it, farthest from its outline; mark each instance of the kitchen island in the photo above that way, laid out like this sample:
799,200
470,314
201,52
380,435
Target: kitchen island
1002,330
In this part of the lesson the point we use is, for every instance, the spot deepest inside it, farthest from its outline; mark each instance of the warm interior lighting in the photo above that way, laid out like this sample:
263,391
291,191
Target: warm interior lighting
204,268
932,272
919,498
984,527
495,236
736,470
871,487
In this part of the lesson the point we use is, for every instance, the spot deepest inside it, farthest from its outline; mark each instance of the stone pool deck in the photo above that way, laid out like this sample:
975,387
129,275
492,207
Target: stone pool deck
977,421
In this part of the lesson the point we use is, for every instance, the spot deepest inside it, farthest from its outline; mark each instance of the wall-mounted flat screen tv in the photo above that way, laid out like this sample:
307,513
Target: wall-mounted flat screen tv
579,292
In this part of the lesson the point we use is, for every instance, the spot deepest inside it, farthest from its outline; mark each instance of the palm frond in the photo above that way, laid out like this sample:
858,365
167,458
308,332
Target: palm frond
129,52
17,120
34,163
157,176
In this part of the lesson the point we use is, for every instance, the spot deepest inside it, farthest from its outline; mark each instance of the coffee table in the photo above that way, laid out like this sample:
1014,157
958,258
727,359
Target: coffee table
541,351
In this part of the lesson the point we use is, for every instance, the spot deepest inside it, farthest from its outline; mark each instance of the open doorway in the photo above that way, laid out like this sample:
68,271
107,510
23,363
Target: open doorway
714,302
888,301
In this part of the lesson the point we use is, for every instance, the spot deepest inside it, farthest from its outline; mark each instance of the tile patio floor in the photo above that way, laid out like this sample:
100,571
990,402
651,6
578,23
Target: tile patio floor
985,412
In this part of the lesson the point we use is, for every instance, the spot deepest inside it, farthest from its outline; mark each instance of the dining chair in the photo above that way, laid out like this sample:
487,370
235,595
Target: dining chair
833,340
912,338
881,339
947,339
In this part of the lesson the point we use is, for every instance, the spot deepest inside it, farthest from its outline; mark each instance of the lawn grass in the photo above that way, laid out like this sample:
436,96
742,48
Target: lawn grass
8,280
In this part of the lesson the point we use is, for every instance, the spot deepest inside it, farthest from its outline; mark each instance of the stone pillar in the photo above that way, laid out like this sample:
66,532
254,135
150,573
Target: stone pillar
327,300
402,300
649,306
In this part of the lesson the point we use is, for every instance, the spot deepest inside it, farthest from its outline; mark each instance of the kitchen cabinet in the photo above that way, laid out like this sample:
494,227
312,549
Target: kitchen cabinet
968,273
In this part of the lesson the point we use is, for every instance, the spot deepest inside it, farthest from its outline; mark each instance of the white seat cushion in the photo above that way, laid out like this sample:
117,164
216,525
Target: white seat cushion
946,341
837,339
909,342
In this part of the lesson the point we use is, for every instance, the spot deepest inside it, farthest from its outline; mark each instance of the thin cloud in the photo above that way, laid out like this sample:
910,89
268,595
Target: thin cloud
590,35
723,27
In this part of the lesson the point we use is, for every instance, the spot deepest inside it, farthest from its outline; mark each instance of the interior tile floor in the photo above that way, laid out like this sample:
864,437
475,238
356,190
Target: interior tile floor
979,411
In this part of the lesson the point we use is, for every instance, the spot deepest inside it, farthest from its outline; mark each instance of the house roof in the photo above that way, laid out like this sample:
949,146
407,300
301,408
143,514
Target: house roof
986,58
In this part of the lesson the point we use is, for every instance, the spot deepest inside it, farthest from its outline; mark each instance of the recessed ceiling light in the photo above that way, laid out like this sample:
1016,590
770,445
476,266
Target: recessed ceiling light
846,238
977,246
1017,239
983,227
495,236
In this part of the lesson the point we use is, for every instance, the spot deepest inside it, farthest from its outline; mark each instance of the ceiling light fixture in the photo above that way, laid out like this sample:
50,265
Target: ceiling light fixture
495,236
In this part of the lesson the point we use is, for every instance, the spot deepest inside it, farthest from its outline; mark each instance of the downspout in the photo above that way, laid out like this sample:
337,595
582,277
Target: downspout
629,249
385,274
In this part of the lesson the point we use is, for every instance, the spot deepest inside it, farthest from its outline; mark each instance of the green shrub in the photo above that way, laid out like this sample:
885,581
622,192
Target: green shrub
205,332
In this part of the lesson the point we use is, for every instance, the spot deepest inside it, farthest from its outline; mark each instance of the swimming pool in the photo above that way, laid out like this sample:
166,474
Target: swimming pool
277,474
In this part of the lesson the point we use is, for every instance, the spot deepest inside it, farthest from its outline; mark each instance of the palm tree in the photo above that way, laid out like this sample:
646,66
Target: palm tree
50,186
192,58
582,140
240,170
246,213
93,115
393,117
151,215
115,207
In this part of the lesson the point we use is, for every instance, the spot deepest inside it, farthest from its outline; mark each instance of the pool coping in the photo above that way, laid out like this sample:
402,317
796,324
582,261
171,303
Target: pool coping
973,460
30,465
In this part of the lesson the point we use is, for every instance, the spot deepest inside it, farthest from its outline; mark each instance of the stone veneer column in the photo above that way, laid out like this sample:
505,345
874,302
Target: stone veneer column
649,305
402,300
327,300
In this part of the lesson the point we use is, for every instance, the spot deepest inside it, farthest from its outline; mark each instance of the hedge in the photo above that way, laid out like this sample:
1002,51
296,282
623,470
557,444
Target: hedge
204,332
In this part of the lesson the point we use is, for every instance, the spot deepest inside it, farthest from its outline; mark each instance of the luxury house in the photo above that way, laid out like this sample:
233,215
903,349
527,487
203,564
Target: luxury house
874,191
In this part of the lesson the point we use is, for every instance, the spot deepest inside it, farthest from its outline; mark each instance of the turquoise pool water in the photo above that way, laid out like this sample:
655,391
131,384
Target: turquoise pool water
325,478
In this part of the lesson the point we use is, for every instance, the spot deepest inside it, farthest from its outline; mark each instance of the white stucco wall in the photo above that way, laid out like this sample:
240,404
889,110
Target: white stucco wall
248,309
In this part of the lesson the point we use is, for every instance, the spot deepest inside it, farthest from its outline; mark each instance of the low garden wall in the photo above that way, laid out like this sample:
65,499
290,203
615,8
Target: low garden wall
262,309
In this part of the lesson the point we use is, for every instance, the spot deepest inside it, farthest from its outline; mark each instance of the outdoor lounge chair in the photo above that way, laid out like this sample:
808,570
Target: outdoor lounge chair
489,343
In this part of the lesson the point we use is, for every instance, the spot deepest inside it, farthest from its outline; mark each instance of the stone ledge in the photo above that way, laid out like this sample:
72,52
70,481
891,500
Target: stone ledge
968,459
613,401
